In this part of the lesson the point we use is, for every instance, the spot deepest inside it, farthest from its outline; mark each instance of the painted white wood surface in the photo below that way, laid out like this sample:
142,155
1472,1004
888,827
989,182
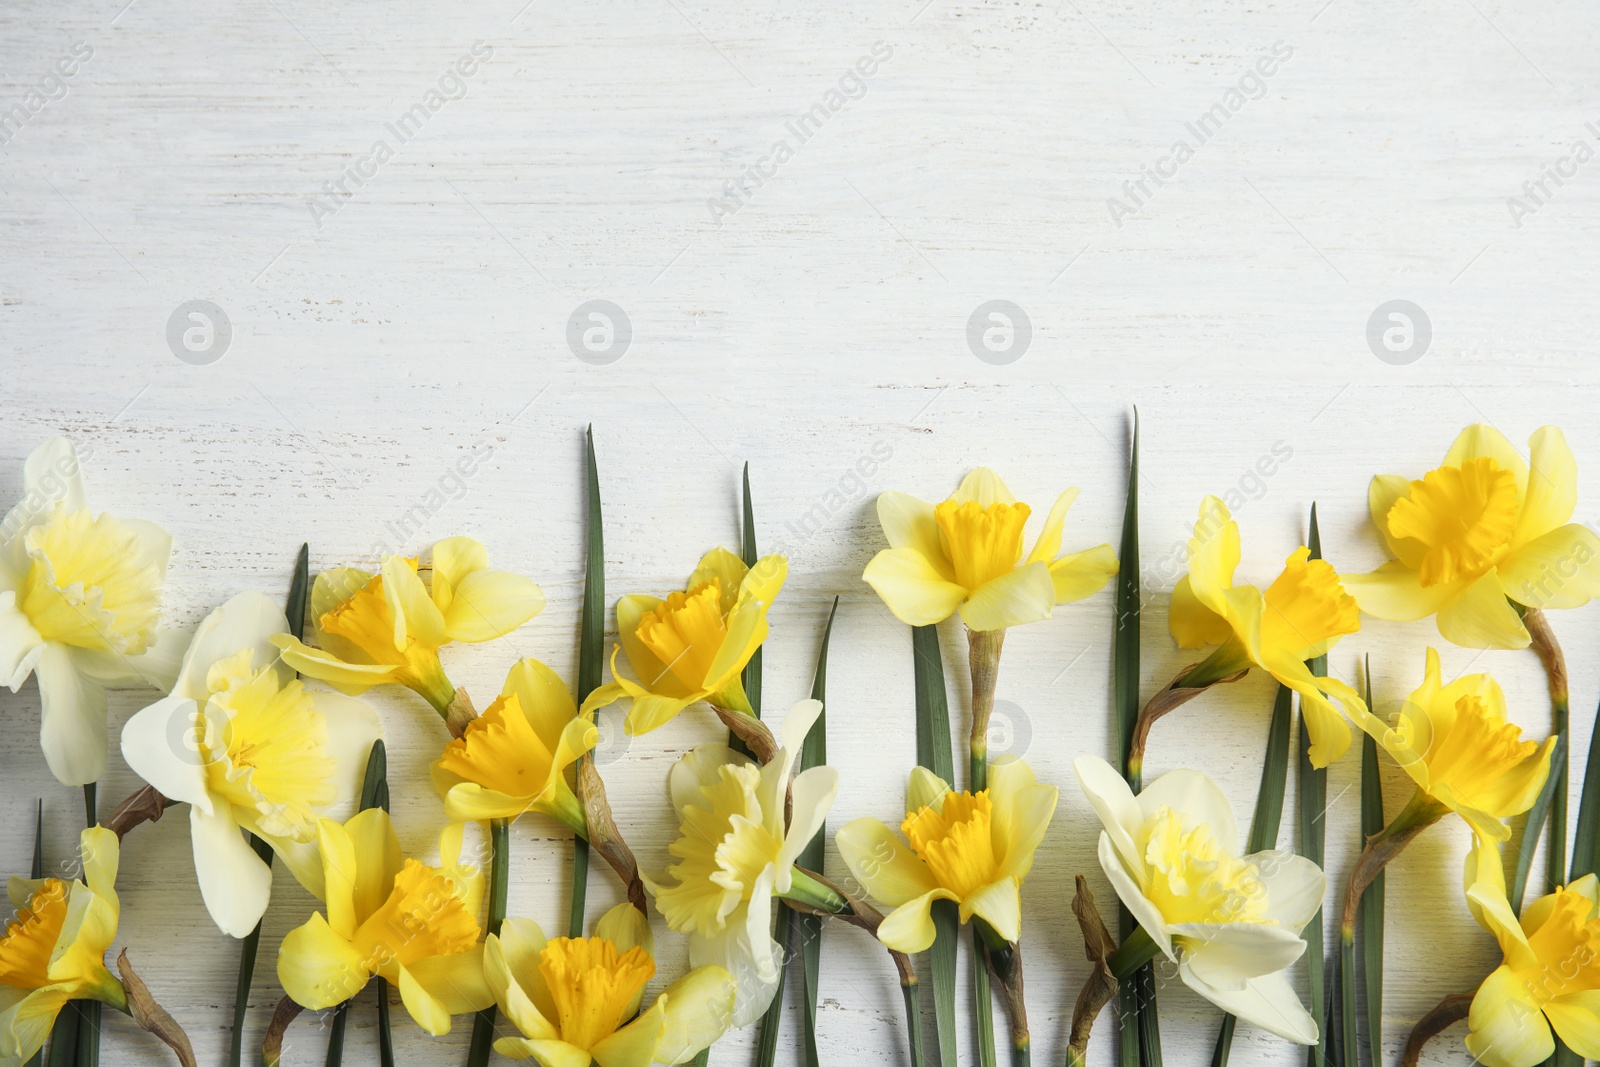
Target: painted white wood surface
823,321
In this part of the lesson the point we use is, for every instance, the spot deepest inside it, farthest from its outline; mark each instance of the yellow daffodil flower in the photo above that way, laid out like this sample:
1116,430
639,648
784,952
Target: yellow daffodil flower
515,756
245,744
735,854
966,553
375,629
1231,923
390,917
1455,743
975,849
1477,533
54,950
692,645
79,598
577,999
1302,614
1550,976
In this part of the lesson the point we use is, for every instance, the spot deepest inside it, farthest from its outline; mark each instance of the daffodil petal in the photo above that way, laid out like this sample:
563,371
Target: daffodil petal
812,793
913,588
234,881
490,604
1108,794
698,1009
1127,889
1395,592
1026,594
1213,555
1560,569
246,621
1000,905
1481,439
649,712
908,523
633,1045
1382,494
1552,486
1295,887
889,871
1194,625
1049,540
1082,574
924,789
909,927
1576,1018
983,487
1197,799
424,1007
72,718
1508,1027
1226,955
1268,1002
159,744
1482,617
352,679
317,967
455,981
453,559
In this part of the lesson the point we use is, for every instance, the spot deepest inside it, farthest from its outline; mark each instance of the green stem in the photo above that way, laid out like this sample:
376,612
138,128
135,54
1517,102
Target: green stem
247,967
385,1034
499,883
1136,950
341,1015
1021,1053
1348,1052
804,889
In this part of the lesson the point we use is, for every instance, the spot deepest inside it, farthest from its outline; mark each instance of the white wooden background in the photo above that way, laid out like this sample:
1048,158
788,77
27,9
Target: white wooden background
824,320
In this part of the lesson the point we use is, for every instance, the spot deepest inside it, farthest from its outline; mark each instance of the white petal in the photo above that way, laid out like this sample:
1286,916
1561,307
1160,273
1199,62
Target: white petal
746,950
234,881
1295,886
1198,802
699,767
72,720
1146,913
53,473
247,621
352,728
1268,1002
20,643
161,746
1228,954
1114,802
812,792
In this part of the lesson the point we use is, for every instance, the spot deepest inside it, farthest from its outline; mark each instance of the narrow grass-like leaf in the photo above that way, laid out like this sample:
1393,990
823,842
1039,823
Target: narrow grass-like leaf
1369,920
89,1010
294,611
1125,711
1586,838
499,884
341,1016
751,678
591,656
1531,829
1312,803
38,872
1268,818
934,752
814,753
771,1022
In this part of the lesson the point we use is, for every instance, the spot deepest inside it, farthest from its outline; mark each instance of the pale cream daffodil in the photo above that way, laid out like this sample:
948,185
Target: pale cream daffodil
54,950
79,598
514,757
966,553
974,849
1462,753
1231,923
575,1000
1480,533
1549,977
693,645
1300,616
249,747
391,917
735,854
387,628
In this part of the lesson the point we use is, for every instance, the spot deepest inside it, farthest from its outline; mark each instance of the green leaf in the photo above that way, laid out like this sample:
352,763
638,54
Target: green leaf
1535,822
1369,919
1267,819
38,872
934,752
294,611
747,551
591,656
499,883
1132,996
1586,839
341,1016
814,753
1312,803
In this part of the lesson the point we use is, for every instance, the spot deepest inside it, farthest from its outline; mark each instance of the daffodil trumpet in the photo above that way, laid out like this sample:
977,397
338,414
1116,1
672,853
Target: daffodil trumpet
387,628
1296,619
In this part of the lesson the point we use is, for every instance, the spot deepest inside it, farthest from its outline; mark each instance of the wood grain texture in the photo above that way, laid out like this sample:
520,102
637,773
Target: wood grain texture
824,321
